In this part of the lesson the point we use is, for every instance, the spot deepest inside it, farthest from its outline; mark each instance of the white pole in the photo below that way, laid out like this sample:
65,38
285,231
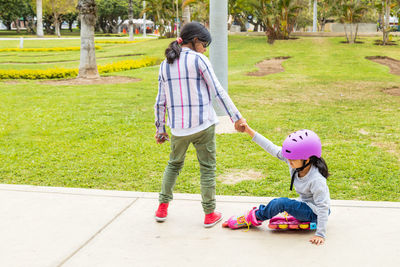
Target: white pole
39,18
144,19
177,18
219,44
21,42
314,27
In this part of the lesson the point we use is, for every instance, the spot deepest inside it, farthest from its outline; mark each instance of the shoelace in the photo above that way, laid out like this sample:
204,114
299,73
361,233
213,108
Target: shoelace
286,215
242,219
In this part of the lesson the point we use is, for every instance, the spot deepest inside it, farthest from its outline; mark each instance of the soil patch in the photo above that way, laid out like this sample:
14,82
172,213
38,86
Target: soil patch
237,176
392,91
356,42
101,80
392,63
13,82
269,66
380,42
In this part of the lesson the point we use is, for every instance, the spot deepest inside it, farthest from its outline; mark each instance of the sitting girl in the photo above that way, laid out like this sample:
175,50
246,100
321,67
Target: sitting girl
302,152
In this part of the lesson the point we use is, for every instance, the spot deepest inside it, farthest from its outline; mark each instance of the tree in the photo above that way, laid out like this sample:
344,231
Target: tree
326,10
199,10
350,13
278,17
185,13
70,18
12,10
109,11
162,13
57,8
87,14
387,8
240,10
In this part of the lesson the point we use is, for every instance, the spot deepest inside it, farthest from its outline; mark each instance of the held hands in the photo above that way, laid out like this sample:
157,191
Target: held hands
244,127
317,240
237,125
161,137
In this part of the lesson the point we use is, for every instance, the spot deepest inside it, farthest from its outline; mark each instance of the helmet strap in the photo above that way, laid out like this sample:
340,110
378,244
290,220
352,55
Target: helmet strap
298,170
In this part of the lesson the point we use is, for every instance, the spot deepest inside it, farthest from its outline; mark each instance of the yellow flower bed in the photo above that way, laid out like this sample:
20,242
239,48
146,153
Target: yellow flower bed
117,42
52,49
67,73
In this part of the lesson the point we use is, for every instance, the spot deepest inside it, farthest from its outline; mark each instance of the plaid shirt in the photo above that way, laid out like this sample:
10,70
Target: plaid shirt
185,89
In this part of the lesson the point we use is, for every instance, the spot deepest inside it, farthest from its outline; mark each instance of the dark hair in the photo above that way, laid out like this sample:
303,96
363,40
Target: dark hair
190,31
321,165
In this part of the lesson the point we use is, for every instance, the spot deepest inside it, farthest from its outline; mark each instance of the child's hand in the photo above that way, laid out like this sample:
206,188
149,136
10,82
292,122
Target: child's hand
317,240
161,137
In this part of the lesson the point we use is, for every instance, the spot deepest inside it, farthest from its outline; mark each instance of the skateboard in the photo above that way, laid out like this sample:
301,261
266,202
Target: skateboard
289,222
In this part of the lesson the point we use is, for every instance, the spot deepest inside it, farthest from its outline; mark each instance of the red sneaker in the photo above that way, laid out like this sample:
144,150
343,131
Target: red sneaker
212,219
162,212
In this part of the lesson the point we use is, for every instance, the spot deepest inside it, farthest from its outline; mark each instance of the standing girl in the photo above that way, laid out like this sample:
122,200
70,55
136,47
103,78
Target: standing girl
186,84
302,152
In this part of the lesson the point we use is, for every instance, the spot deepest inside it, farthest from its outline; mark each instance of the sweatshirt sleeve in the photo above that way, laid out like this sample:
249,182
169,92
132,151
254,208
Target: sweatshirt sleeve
320,192
268,146
214,86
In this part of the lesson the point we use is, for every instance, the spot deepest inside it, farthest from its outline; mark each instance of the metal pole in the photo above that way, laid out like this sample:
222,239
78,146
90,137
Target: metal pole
177,18
219,44
144,19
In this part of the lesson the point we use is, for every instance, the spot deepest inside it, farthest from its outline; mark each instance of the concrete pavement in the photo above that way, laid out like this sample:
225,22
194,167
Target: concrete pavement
47,226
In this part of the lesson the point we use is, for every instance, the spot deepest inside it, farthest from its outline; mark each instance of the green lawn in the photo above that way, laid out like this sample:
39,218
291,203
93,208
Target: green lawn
101,136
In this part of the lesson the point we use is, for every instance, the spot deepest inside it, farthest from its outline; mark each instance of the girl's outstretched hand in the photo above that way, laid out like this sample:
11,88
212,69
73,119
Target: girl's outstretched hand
317,240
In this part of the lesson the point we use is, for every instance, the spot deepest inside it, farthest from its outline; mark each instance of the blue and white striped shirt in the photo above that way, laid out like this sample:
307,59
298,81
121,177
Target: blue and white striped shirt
185,89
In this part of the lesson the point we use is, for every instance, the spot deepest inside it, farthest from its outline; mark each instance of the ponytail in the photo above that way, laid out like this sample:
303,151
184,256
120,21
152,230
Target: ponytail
172,52
321,165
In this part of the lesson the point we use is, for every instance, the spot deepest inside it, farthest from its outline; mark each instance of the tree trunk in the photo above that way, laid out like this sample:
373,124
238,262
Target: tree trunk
386,27
16,22
57,26
39,17
351,34
88,65
355,34
186,15
345,31
130,20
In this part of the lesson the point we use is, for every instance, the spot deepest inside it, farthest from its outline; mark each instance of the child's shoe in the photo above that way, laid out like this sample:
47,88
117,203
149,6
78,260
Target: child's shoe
246,220
212,219
162,212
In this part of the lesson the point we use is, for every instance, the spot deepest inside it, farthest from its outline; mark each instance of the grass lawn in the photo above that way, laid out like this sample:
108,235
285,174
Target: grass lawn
102,136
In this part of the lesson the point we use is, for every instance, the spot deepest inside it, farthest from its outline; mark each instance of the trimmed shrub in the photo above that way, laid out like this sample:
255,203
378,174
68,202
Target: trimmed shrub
51,49
67,73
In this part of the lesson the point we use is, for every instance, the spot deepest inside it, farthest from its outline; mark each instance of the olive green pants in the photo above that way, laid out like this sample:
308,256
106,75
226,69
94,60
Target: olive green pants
204,143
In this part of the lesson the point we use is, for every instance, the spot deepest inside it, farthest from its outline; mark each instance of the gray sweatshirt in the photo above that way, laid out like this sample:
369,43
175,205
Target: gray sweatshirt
312,187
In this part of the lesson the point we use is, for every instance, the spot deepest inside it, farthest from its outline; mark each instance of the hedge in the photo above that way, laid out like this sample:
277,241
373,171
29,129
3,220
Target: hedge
67,73
51,49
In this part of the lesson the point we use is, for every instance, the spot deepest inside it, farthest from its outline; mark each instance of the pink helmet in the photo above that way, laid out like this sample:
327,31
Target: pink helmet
301,145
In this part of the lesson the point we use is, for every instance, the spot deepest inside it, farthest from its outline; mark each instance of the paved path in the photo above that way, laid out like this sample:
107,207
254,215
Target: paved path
45,226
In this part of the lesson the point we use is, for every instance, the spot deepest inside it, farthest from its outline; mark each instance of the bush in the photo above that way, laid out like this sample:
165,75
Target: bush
52,49
116,42
67,73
